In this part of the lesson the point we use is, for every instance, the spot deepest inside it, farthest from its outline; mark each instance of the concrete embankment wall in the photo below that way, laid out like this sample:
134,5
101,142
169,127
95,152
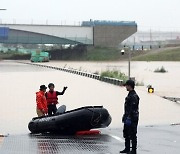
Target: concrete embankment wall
111,36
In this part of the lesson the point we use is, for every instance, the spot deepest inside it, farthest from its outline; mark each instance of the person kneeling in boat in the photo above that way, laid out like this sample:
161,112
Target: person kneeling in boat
41,102
52,99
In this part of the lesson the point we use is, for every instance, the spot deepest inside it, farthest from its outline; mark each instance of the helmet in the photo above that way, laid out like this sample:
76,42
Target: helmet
50,84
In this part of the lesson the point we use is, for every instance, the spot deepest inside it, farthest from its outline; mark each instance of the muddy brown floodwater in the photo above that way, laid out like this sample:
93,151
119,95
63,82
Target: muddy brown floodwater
19,82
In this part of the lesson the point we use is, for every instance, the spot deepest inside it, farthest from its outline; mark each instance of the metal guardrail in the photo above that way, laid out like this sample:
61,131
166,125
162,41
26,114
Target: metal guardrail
85,74
174,99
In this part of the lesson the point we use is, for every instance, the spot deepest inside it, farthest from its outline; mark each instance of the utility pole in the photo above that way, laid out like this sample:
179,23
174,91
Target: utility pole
150,39
134,43
129,61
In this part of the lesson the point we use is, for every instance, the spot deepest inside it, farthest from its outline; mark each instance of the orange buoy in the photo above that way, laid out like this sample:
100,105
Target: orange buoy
88,132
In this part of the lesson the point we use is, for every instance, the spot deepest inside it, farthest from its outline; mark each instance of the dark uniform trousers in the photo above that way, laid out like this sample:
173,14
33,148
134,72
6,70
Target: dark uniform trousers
52,109
129,133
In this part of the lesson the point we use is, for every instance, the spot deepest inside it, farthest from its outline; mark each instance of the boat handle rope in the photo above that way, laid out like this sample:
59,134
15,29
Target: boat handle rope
94,122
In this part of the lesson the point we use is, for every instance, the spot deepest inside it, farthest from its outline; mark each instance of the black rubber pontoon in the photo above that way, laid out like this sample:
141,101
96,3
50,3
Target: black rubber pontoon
70,122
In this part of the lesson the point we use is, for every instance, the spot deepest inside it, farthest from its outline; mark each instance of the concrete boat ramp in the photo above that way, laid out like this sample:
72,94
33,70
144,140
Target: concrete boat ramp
151,140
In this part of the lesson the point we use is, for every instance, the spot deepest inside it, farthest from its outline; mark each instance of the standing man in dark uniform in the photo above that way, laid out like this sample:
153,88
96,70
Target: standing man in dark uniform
130,118
52,99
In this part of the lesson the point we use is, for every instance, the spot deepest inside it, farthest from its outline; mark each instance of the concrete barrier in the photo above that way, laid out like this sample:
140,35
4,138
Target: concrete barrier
90,75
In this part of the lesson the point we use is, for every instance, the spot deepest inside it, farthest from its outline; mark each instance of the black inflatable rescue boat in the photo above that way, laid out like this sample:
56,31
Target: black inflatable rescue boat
81,119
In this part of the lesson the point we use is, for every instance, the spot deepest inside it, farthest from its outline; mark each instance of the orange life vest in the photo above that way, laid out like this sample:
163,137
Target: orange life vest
41,101
51,97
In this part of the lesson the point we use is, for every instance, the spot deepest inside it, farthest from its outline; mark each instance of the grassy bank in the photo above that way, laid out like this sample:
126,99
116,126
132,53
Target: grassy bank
101,54
107,54
15,56
81,53
163,55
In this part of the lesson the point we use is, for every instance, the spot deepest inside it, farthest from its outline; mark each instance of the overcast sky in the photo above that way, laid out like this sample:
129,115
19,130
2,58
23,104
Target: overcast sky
154,14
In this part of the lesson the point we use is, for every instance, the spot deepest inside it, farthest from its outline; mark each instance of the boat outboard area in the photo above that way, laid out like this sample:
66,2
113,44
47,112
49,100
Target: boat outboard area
70,122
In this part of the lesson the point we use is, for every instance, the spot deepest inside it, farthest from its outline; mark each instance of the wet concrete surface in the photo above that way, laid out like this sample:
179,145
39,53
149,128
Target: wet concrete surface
151,140
19,82
100,144
159,140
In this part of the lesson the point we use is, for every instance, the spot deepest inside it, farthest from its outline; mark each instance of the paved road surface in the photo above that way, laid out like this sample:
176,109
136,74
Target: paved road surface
151,140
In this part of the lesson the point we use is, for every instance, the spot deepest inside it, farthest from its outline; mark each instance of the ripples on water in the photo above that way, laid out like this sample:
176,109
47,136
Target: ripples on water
19,82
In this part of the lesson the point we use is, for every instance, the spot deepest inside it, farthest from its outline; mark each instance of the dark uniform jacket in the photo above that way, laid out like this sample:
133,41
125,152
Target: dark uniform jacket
131,107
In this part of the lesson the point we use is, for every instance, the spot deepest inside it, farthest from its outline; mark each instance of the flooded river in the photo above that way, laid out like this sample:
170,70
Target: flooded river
19,82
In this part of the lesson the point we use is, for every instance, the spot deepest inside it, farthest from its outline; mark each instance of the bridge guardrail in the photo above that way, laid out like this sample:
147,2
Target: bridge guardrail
86,74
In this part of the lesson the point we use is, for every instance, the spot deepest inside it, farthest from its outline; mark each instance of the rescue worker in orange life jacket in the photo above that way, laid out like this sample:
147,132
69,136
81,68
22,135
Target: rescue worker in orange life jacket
52,99
41,102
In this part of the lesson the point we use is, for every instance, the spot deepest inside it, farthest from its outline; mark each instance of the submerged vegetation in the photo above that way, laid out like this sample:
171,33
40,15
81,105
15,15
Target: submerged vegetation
160,70
140,83
118,75
114,74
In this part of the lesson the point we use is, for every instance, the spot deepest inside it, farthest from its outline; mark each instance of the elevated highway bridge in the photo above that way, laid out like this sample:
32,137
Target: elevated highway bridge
97,33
